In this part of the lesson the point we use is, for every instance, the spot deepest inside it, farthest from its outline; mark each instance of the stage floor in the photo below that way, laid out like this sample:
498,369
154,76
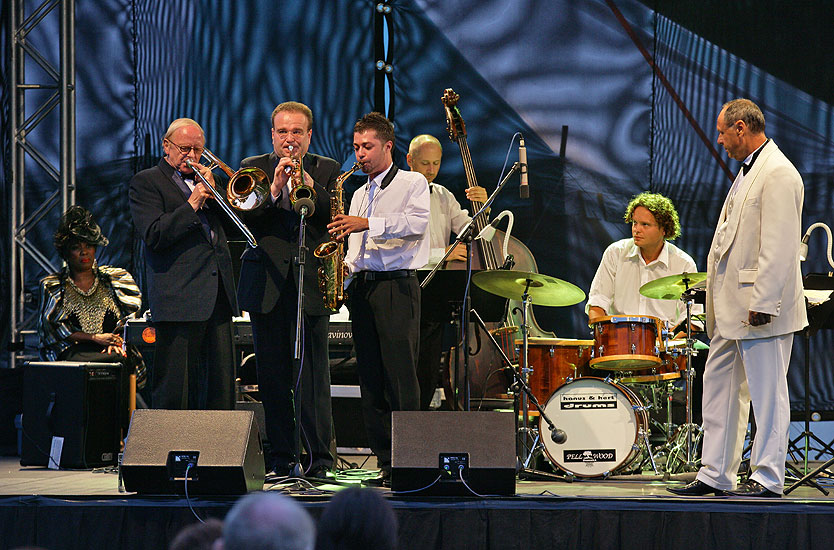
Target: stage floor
16,480
83,509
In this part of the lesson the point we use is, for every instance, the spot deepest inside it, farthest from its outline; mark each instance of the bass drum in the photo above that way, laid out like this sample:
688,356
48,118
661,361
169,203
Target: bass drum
603,421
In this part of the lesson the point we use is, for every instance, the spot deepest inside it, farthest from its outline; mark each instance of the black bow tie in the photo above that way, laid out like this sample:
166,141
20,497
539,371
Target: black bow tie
746,167
190,177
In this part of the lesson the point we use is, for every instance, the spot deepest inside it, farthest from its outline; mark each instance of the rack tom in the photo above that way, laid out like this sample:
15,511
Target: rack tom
554,361
627,342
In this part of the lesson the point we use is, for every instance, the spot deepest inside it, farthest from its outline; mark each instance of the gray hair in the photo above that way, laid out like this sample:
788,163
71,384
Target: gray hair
268,521
745,111
179,123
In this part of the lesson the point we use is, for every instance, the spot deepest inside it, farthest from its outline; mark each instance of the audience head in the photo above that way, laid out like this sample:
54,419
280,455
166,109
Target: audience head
357,519
198,536
267,521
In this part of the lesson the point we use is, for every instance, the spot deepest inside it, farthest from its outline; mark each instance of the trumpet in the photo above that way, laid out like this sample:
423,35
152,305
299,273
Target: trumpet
302,196
251,173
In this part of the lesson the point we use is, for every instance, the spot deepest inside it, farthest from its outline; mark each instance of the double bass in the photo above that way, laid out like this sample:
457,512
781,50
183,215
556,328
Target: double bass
487,377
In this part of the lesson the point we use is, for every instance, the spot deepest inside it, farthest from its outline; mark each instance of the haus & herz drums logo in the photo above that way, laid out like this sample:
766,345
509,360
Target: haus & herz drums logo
591,455
601,400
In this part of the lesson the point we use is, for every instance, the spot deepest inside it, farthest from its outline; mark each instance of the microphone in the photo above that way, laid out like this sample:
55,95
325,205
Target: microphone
557,435
523,188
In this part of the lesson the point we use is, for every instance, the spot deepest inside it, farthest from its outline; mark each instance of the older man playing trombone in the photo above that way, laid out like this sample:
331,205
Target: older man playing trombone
190,287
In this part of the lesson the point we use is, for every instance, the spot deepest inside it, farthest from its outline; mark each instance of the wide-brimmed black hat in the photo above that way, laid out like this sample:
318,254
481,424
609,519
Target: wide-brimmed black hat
77,224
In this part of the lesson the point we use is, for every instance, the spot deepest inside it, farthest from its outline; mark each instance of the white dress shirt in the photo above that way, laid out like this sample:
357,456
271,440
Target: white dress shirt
621,273
446,216
398,220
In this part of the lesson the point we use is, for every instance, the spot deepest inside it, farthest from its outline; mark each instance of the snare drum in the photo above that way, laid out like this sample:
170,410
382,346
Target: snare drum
671,367
554,362
627,342
602,421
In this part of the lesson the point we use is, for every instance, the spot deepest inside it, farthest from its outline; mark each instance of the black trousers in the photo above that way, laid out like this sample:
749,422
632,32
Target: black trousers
386,331
194,365
284,394
428,362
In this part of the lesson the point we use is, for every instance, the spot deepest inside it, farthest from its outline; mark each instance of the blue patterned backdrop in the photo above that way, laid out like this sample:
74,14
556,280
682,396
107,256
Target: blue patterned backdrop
524,65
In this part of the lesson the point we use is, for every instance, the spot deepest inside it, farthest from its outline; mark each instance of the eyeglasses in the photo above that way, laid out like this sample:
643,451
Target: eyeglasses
295,133
186,150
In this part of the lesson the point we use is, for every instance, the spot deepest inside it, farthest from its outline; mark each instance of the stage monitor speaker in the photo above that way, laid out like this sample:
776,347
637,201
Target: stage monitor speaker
223,449
80,402
432,450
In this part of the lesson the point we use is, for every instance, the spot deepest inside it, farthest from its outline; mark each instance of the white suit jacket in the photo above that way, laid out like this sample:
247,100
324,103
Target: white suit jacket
754,265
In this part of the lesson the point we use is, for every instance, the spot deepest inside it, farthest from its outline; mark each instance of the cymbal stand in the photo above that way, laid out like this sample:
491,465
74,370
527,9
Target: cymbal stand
689,350
525,377
521,381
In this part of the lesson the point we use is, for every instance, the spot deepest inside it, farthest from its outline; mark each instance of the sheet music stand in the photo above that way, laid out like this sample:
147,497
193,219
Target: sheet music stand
442,300
819,316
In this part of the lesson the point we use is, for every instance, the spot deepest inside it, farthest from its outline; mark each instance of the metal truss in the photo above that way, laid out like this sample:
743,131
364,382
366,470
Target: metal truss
33,46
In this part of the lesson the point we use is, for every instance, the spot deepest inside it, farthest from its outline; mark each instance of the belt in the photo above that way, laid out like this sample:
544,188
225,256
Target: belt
384,275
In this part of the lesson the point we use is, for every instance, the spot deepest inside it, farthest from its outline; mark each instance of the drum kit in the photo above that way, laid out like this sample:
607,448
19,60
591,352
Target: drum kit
594,395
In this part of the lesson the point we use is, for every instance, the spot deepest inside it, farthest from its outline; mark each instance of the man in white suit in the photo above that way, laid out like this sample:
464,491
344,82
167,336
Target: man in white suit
754,305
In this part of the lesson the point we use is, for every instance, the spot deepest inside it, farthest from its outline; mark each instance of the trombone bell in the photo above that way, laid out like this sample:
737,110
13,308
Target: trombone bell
248,188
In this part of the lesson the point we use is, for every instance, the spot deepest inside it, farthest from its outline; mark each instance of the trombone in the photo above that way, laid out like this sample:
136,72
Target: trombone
246,190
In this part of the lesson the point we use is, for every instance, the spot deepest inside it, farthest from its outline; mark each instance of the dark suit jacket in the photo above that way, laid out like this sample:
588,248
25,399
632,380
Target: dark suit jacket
183,266
264,270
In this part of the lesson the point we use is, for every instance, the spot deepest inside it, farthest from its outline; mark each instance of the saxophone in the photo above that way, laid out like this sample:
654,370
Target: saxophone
331,254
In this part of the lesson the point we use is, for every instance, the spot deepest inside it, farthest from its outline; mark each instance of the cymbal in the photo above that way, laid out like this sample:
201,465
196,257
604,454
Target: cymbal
543,290
671,287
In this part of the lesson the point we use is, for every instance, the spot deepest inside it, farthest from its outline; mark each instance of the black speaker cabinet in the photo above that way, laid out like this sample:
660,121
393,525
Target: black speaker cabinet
434,449
77,401
223,449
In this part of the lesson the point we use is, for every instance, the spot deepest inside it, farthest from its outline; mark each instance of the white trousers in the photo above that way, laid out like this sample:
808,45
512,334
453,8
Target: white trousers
738,372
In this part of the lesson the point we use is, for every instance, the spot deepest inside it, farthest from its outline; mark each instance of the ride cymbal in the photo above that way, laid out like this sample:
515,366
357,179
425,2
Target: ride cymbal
671,287
543,290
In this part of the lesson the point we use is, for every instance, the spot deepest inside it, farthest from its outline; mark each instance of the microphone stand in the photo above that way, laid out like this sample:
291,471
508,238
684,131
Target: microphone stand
300,261
465,236
520,382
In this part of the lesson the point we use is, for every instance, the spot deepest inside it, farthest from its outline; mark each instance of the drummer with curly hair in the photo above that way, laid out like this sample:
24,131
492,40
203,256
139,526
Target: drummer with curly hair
628,264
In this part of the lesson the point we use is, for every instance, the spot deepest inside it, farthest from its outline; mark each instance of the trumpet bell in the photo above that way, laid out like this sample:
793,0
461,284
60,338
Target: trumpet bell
248,188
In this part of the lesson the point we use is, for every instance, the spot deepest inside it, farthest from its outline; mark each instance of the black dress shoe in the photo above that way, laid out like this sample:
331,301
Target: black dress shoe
696,489
381,479
282,470
318,472
753,488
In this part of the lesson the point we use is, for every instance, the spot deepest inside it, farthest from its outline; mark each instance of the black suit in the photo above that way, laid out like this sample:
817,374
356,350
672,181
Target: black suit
190,291
268,291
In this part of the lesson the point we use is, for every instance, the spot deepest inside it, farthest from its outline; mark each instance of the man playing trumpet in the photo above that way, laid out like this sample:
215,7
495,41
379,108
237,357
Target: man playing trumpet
189,272
268,290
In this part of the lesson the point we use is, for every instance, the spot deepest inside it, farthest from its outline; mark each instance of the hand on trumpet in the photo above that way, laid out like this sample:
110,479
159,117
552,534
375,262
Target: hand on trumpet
281,177
343,225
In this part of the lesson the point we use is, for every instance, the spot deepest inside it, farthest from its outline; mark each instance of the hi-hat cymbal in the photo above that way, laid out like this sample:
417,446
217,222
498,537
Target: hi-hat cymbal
671,287
543,290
